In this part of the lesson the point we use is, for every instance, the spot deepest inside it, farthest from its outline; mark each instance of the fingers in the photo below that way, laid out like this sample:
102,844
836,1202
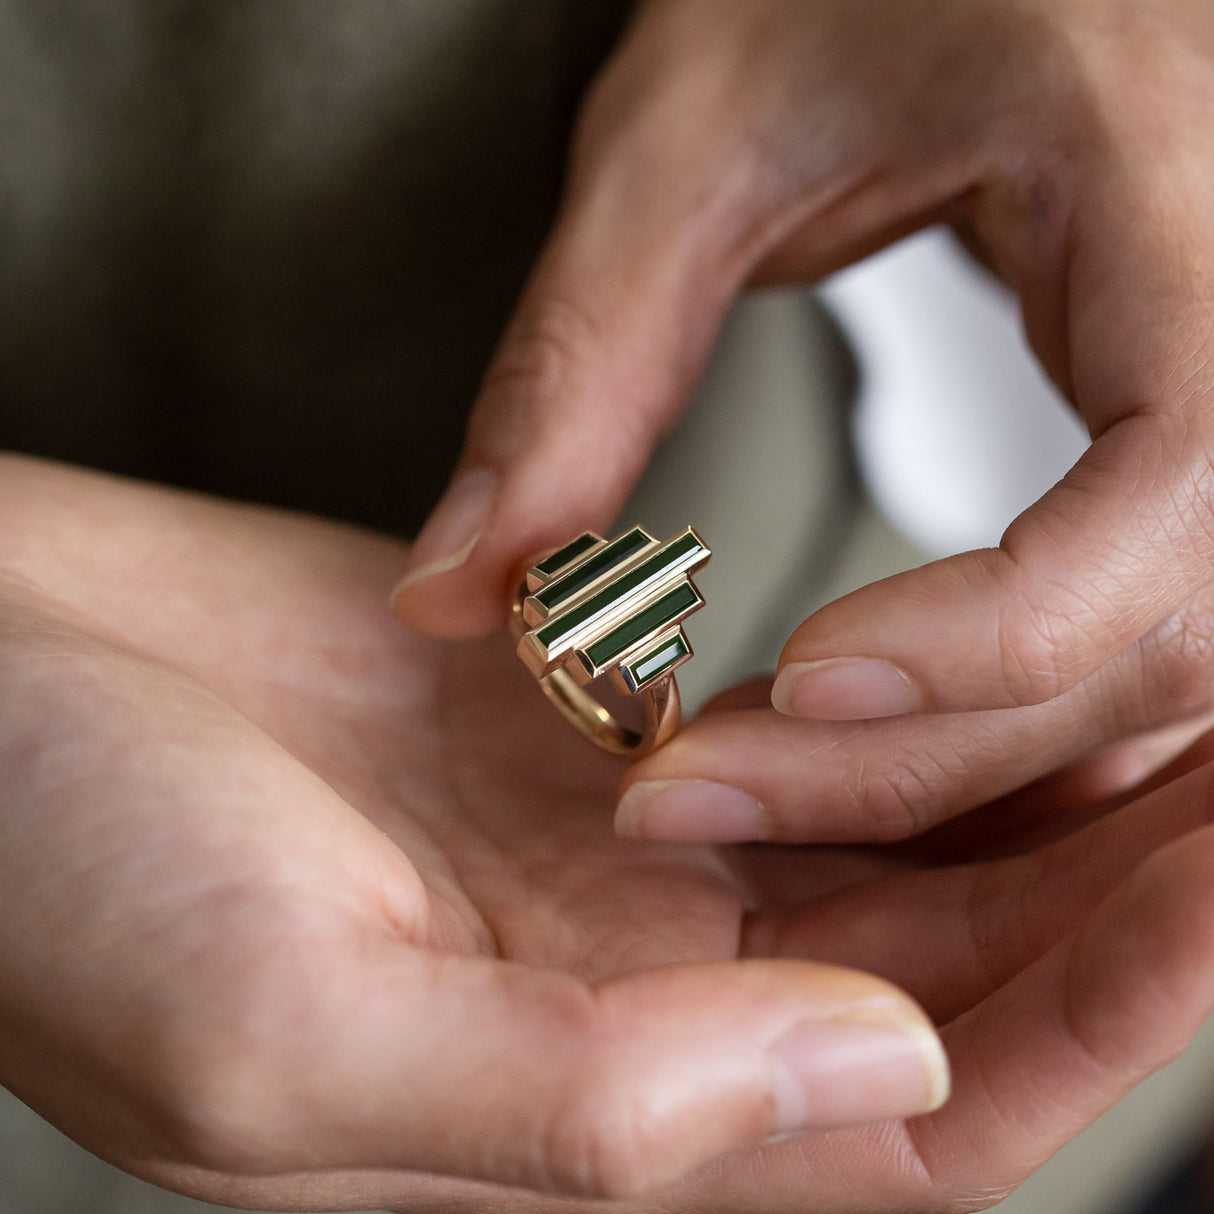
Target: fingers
1050,1046
1040,1059
953,935
738,775
1089,569
606,342
1072,976
610,334
477,1068
1112,268
304,1033
663,220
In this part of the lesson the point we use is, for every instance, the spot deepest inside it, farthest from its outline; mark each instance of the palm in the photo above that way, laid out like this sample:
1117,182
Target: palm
272,643
519,812
451,751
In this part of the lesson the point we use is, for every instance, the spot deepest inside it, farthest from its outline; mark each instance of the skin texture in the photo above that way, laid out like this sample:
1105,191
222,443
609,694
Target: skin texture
304,911
1070,143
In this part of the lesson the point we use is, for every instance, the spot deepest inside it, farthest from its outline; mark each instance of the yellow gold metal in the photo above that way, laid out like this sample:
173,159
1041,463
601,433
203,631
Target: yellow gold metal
595,609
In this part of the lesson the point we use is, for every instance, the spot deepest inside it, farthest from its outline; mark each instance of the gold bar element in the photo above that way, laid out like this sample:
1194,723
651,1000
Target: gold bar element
638,627
655,661
576,581
609,600
595,608
575,550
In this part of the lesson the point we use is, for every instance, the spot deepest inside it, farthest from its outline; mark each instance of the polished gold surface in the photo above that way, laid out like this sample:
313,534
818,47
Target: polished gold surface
596,608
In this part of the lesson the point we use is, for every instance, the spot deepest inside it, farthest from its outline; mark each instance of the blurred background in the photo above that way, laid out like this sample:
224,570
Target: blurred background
264,250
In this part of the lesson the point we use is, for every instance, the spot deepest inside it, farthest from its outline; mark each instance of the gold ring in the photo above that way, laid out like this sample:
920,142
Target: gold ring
595,609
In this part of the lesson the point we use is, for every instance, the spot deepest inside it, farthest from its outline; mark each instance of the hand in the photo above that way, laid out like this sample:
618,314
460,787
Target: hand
297,907
301,911
729,144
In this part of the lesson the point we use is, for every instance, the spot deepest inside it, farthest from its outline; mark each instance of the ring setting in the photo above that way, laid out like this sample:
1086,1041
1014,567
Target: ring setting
597,608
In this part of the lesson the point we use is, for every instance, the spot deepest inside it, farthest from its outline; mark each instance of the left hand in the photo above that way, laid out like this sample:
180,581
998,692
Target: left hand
301,911
776,140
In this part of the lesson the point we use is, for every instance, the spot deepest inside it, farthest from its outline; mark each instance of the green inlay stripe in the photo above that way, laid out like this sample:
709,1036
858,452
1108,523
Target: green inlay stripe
552,633
670,607
563,588
563,556
657,662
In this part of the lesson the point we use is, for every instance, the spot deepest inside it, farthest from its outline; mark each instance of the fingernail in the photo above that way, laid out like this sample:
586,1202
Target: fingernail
450,535
845,689
690,811
840,1072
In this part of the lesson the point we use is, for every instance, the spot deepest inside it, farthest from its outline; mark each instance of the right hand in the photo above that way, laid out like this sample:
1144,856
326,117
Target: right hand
775,140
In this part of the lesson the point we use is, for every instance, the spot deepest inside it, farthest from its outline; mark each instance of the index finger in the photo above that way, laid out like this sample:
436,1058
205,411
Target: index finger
1113,256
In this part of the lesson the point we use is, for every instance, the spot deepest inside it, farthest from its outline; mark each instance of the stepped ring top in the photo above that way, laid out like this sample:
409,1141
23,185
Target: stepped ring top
596,609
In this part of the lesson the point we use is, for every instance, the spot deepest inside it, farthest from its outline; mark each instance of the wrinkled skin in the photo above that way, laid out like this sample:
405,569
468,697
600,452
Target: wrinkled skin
726,144
304,911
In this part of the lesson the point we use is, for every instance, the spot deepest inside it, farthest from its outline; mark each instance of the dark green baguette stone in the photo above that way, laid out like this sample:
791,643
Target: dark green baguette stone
655,663
552,633
658,614
565,587
563,556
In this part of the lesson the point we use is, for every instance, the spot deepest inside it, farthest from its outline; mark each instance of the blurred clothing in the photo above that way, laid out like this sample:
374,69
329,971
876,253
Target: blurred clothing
265,249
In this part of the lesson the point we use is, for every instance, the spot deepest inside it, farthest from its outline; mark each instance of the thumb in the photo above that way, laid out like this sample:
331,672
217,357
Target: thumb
484,1069
604,346
1111,555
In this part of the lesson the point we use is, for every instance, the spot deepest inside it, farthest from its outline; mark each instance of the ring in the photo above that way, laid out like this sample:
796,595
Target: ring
595,608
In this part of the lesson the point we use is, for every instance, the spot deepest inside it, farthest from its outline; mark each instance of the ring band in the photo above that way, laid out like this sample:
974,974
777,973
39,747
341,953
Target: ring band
596,608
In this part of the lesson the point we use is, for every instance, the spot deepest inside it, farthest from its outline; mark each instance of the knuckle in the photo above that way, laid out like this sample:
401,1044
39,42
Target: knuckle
890,809
595,1147
944,1188
1001,910
538,368
1045,650
214,1112
895,802
1177,659
606,1136
545,344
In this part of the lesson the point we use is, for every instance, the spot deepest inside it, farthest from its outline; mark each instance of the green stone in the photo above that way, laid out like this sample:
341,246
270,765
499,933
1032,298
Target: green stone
563,588
654,663
561,627
565,556
672,606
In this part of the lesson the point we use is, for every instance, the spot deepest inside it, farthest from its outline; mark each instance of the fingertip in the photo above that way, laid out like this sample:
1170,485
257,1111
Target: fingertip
449,604
862,1067
438,594
415,575
691,811
845,689
780,1048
